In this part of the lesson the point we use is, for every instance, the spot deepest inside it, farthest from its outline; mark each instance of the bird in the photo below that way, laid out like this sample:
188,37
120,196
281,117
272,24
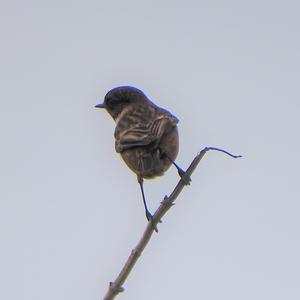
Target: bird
146,135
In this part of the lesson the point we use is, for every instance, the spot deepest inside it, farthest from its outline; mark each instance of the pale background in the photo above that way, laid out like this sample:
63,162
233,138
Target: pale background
70,209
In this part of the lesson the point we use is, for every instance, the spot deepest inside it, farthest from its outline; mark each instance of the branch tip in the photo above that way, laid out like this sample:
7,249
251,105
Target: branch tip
206,149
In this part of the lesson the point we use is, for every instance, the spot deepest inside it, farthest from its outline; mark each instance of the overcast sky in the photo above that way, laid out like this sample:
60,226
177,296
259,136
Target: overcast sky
71,211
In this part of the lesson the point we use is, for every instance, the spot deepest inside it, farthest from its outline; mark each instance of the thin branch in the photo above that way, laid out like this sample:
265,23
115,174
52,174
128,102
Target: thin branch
115,287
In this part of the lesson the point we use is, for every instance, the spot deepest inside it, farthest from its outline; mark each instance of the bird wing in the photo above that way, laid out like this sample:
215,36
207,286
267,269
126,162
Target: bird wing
144,134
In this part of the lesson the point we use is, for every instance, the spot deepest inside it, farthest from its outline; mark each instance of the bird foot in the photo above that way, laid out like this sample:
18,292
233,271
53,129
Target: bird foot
184,177
150,218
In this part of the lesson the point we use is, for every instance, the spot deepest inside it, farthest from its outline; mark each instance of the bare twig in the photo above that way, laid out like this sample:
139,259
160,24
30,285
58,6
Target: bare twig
115,287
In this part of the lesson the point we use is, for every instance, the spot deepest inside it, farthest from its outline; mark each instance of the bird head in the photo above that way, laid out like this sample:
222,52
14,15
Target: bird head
119,98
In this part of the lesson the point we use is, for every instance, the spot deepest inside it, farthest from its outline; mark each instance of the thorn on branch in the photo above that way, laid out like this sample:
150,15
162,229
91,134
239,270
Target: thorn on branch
166,198
134,252
116,289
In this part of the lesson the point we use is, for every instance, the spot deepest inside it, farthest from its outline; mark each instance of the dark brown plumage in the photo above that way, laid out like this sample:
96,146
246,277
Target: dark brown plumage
146,135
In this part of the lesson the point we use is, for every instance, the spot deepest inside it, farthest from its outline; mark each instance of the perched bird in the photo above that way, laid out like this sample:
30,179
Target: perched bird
146,135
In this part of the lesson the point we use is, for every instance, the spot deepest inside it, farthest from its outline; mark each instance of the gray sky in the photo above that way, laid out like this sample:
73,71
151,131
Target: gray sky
71,211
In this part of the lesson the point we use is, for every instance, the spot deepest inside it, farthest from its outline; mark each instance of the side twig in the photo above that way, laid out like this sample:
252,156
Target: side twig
115,287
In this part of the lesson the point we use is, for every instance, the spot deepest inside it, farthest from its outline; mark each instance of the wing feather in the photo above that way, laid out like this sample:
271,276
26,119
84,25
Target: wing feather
143,135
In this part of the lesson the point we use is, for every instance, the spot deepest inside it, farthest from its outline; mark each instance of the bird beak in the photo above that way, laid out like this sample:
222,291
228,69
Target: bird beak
102,105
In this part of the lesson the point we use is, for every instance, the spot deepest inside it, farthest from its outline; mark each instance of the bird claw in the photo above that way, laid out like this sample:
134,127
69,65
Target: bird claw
150,218
184,177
